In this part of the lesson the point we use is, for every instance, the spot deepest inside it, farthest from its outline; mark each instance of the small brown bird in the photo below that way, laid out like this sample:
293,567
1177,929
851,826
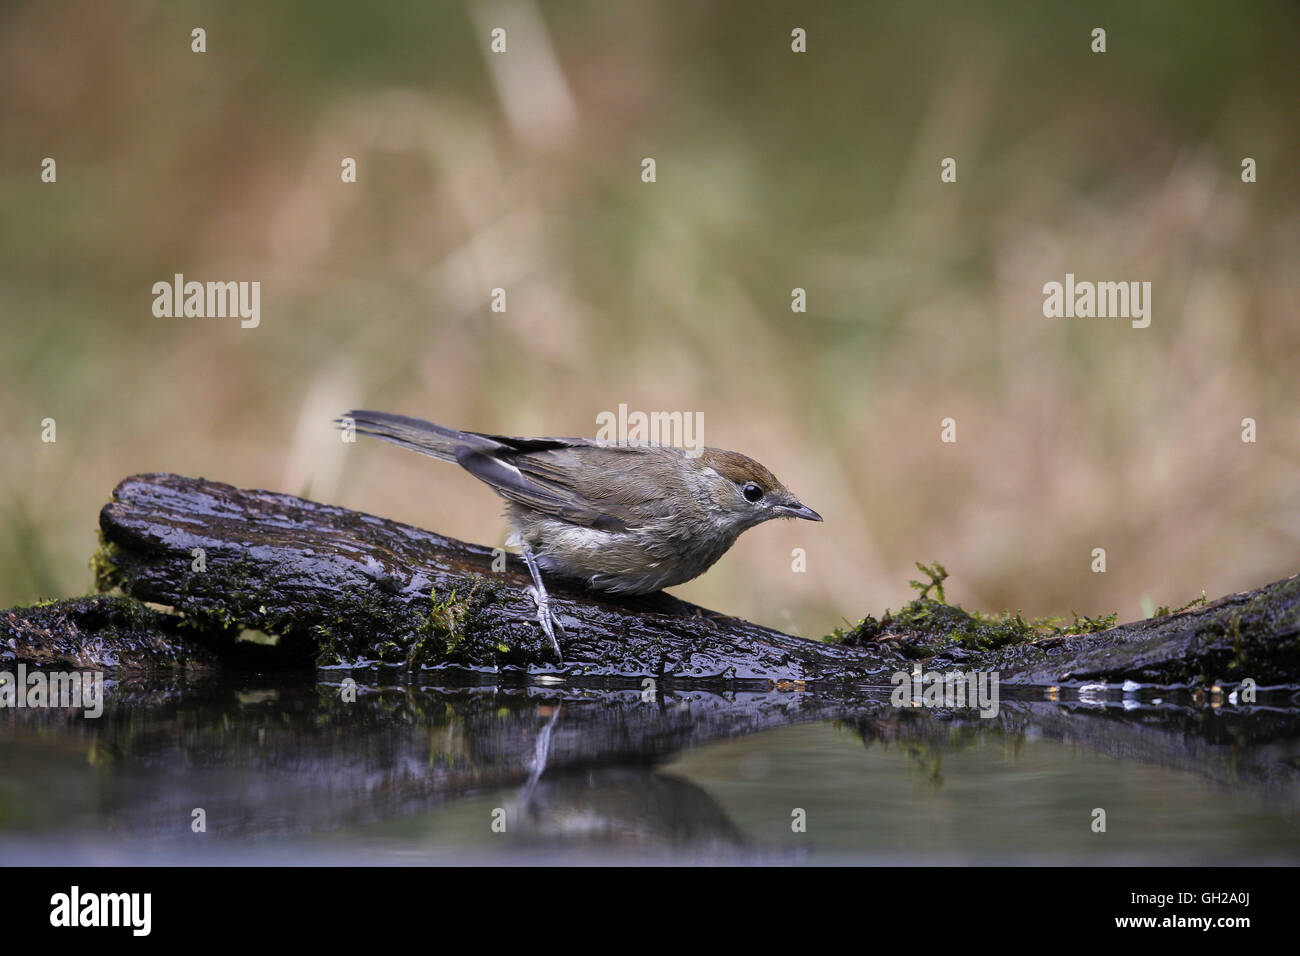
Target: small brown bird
628,517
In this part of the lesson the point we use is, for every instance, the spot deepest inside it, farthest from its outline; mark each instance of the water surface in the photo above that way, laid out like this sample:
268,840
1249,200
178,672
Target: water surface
469,770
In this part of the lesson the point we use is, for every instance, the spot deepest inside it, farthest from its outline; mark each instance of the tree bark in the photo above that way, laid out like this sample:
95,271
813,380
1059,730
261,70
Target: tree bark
337,587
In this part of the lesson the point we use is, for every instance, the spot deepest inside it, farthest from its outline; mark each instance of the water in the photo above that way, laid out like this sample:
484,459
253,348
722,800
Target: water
288,771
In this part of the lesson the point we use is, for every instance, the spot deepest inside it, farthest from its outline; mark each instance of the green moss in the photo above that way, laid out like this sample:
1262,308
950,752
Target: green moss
1263,635
105,574
929,625
446,619
1164,611
937,575
456,628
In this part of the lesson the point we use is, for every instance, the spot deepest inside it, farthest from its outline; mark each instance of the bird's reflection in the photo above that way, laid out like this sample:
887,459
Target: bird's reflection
582,765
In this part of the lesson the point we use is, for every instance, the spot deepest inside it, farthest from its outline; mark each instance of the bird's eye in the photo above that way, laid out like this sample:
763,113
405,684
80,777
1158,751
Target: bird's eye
752,492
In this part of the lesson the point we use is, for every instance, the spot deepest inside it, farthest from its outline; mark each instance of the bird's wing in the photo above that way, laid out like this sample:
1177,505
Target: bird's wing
573,479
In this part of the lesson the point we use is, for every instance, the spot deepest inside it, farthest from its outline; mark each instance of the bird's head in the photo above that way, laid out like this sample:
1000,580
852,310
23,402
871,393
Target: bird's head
740,493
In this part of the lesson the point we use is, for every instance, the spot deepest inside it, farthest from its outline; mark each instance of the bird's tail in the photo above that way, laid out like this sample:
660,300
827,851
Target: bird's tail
416,434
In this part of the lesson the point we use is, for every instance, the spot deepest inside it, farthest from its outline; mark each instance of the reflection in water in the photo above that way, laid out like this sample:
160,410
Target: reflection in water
633,809
558,768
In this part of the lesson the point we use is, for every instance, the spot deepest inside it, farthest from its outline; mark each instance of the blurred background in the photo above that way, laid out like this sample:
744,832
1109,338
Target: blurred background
775,170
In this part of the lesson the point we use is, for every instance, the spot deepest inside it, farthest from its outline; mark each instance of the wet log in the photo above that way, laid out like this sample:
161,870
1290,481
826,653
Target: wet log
340,587
321,585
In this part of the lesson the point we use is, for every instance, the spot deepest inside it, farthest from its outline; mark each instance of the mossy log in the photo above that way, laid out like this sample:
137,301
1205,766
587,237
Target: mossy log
339,587
336,587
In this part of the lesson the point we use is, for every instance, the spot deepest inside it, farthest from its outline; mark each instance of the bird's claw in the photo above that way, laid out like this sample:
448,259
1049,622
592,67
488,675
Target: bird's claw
547,619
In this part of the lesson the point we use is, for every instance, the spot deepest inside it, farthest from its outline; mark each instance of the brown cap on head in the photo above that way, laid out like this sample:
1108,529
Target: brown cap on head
740,468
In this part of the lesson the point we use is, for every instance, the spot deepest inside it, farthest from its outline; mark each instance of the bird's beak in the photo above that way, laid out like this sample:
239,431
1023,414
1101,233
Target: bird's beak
797,510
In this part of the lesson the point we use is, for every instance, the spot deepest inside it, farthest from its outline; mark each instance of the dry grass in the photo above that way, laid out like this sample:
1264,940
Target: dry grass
774,172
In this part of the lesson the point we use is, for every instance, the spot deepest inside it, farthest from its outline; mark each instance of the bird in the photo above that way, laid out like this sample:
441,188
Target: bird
623,517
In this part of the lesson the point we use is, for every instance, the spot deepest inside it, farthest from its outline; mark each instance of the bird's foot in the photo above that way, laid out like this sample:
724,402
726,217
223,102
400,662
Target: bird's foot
547,619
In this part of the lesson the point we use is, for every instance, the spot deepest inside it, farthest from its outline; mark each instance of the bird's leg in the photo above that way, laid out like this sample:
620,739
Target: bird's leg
541,753
544,617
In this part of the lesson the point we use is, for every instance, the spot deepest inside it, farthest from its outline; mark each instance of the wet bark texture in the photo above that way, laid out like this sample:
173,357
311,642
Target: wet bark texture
338,587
